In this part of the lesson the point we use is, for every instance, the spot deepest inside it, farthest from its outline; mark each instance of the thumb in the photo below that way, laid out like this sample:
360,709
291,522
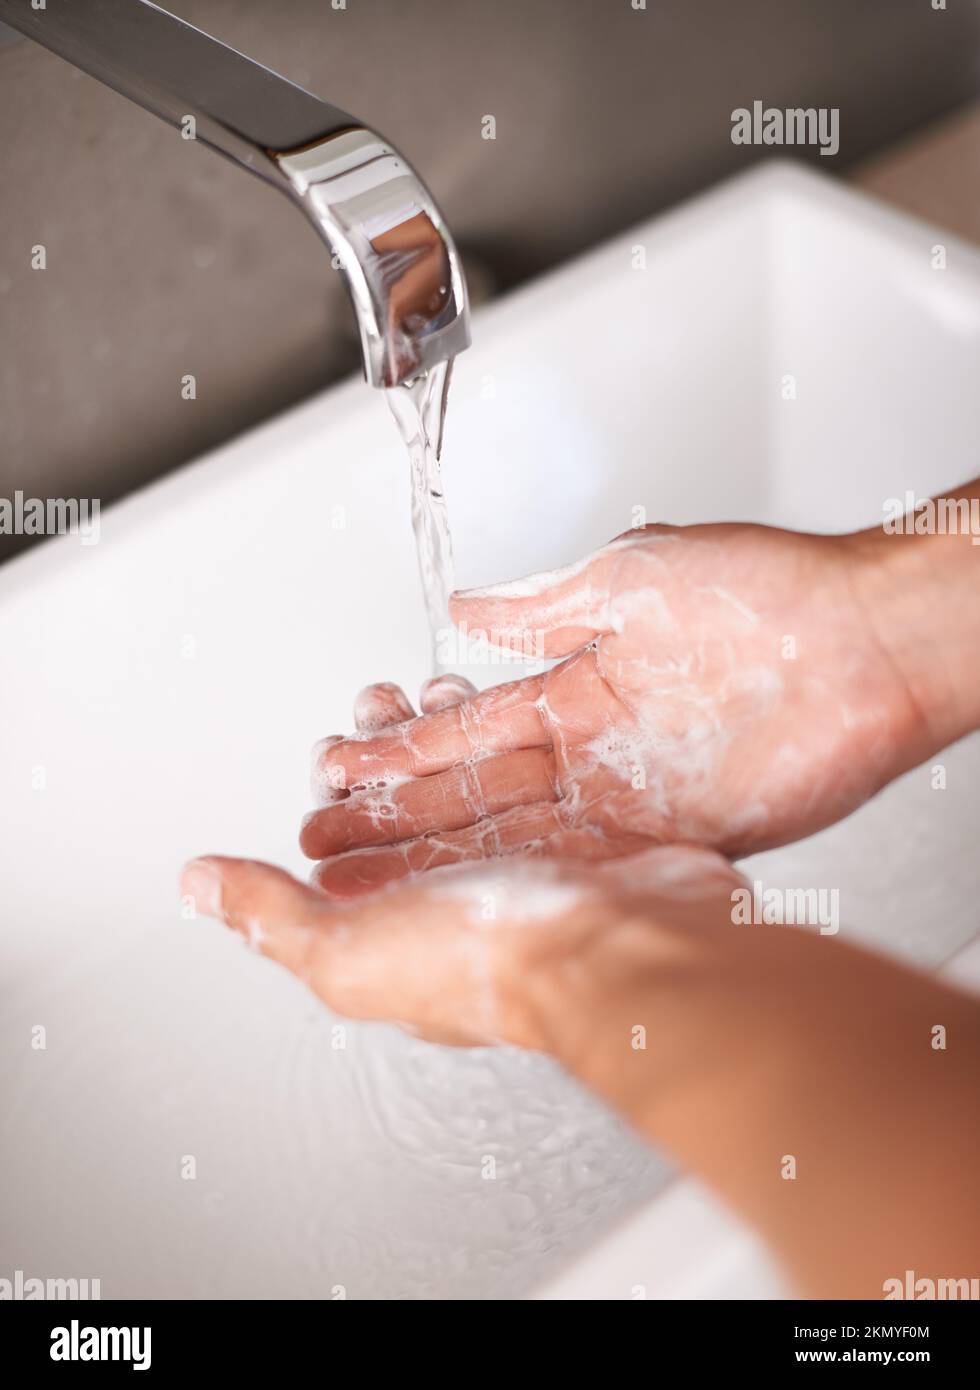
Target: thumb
548,614
276,913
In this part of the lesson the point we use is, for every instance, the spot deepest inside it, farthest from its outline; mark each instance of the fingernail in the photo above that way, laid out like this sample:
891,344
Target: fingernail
465,595
442,692
202,882
327,783
322,744
531,586
380,705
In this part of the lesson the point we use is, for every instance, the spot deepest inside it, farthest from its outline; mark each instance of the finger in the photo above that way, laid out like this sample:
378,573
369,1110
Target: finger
325,788
449,800
358,871
500,719
538,830
274,911
549,614
445,691
344,955
381,705
404,956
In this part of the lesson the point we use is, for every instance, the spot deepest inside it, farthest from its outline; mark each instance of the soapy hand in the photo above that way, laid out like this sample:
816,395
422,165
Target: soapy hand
713,1040
732,685
473,955
723,686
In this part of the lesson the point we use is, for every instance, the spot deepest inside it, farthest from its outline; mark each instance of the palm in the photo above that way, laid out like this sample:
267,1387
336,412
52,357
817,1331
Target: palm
723,689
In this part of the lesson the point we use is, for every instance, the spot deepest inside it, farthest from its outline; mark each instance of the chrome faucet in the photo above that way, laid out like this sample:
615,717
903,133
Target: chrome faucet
365,200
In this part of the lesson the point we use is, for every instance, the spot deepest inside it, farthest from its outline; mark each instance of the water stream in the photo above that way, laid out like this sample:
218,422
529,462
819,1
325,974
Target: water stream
419,408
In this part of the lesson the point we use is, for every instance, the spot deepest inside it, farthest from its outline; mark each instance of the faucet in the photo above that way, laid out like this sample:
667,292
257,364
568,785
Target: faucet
364,199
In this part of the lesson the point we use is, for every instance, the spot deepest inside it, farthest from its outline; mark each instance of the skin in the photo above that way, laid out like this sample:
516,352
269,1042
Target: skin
678,642
761,1042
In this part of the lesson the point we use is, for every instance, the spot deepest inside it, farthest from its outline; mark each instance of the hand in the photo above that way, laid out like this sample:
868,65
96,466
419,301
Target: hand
723,686
734,1047
473,955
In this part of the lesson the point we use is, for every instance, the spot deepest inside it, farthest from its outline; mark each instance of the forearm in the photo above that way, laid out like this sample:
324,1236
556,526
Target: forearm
799,1079
921,594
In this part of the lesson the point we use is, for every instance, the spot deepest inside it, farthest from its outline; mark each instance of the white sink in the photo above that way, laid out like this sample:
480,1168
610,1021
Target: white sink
170,680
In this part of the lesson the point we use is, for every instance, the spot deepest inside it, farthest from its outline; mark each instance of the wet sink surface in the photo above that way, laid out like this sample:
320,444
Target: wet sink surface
162,688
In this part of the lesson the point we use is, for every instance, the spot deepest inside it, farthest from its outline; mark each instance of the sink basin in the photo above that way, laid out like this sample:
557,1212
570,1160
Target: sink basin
195,1125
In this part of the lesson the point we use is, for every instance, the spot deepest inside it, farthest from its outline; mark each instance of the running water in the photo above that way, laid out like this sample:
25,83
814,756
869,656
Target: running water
419,408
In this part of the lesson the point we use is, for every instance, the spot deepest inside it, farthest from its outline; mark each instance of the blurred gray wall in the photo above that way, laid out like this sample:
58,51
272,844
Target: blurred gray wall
164,260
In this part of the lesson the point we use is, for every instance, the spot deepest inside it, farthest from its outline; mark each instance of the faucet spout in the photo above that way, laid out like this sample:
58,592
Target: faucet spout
363,198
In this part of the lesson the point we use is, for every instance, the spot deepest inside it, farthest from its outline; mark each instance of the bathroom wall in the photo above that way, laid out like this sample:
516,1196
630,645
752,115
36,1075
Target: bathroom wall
164,260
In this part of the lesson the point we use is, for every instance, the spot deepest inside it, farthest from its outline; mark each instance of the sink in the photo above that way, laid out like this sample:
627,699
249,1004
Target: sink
196,1124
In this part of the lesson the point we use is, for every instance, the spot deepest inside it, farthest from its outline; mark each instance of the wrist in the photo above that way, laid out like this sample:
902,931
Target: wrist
632,1010
920,596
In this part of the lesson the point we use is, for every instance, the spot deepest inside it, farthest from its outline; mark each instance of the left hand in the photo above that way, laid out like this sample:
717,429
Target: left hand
754,1041
472,955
